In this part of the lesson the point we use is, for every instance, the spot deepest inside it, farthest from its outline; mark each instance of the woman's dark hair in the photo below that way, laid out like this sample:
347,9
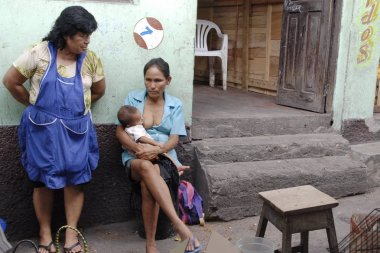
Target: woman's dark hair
162,65
72,20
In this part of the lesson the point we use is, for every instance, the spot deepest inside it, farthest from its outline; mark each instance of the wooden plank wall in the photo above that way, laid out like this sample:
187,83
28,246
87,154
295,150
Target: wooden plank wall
254,34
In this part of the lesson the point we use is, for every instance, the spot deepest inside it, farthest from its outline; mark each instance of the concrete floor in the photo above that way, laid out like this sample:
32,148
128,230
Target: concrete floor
211,102
123,238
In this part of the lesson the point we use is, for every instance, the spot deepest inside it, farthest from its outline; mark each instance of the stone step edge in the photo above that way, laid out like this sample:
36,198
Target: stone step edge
273,139
349,179
325,116
240,127
369,153
250,149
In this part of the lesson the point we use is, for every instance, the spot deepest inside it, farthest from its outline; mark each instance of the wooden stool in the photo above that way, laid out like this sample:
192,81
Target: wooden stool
298,210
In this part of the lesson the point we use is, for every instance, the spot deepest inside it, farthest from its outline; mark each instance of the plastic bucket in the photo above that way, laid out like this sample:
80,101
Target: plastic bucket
255,245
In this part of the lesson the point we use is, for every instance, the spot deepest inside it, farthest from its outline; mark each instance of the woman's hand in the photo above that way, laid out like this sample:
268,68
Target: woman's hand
148,152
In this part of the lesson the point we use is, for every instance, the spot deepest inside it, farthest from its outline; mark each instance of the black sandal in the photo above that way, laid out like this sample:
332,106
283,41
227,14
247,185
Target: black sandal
46,247
69,249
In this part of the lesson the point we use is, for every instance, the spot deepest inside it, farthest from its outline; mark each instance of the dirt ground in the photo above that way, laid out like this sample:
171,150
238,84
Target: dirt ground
123,238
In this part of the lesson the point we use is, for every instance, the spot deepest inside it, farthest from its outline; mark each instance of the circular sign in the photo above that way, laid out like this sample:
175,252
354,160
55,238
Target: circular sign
148,33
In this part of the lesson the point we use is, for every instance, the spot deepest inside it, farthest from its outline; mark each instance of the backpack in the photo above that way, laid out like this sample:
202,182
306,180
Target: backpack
190,204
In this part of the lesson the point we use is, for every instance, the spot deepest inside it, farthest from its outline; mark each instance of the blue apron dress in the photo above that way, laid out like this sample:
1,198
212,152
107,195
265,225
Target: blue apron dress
58,142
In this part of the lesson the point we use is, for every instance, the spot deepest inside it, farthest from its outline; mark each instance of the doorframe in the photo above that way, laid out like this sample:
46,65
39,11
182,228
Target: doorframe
333,57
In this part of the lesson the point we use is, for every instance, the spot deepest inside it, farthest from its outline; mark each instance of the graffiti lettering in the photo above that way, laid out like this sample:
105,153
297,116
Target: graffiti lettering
369,16
364,53
291,7
366,37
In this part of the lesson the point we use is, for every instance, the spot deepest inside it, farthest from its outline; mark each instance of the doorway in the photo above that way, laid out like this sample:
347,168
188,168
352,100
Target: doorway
298,74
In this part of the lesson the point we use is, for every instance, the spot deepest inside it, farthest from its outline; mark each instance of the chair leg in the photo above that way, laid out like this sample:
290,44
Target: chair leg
211,71
224,80
224,72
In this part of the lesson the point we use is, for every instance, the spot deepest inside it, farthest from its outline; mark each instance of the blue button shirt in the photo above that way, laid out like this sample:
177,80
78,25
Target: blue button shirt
172,121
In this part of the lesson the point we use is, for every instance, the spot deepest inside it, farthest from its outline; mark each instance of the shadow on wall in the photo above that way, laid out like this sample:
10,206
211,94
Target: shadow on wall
106,197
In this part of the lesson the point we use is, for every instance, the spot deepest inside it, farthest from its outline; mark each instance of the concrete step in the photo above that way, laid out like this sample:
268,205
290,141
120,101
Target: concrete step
258,148
369,153
259,125
230,191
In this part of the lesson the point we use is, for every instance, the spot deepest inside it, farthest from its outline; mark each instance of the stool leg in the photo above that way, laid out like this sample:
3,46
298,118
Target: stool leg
331,233
305,242
263,222
286,240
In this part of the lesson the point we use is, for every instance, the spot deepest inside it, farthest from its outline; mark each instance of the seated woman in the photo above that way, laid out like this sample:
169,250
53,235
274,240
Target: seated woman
164,121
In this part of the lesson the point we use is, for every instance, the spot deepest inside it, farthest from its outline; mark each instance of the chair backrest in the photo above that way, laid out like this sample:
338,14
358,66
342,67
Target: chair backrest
202,31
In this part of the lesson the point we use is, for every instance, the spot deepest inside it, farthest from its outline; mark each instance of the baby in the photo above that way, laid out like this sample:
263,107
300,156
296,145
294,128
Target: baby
132,121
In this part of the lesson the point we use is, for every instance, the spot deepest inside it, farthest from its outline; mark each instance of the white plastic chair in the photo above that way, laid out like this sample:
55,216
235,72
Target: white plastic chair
201,49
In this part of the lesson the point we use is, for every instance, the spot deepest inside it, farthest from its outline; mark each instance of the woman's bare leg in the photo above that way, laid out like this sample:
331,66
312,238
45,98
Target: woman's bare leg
143,170
150,210
43,204
74,199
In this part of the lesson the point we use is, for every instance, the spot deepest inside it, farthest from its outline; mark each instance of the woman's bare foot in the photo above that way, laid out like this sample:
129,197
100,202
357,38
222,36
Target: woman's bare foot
151,249
46,248
46,244
185,233
193,244
72,244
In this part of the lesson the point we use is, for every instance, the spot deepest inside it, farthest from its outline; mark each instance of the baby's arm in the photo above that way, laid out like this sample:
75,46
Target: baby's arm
147,140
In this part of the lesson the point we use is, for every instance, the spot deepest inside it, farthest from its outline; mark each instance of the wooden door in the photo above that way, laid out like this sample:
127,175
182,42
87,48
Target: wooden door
304,54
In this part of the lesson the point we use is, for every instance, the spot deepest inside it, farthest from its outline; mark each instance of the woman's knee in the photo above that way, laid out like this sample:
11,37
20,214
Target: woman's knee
145,167
75,189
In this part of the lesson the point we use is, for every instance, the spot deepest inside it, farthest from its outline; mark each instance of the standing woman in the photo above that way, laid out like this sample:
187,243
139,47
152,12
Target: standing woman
56,135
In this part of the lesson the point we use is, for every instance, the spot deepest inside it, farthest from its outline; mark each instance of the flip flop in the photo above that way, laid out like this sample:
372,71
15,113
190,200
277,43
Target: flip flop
68,249
196,249
46,247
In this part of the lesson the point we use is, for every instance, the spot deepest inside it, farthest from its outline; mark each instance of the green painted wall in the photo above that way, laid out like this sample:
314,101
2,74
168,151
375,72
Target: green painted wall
359,52
24,22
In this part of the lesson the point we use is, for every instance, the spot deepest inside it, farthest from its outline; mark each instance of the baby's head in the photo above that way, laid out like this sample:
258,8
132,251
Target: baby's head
129,116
